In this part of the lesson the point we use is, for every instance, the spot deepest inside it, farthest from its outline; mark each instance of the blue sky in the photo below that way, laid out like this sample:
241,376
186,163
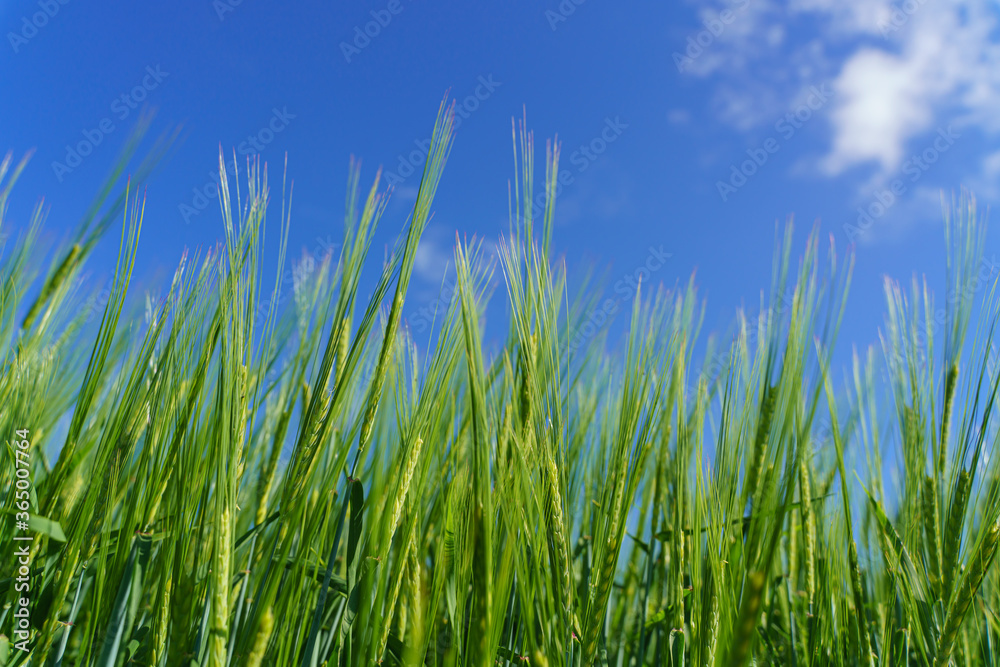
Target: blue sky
688,129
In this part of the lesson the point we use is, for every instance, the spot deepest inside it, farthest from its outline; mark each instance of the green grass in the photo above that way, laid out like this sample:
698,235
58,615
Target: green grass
308,487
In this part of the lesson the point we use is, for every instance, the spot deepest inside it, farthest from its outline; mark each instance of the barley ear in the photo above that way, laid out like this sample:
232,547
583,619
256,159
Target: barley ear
953,533
261,639
219,621
410,464
932,523
557,528
951,380
809,528
974,575
343,346
746,623
710,614
864,635
769,400
67,264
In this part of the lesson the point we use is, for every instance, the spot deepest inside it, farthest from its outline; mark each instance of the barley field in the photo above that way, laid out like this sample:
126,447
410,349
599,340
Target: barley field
213,480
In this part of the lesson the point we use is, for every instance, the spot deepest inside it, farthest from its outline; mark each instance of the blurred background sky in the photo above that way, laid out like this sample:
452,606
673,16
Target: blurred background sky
688,129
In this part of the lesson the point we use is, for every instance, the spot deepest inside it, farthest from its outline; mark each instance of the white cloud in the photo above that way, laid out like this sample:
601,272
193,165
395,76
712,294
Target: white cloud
986,185
883,100
584,199
435,256
406,193
432,258
897,73
991,165
847,17
679,116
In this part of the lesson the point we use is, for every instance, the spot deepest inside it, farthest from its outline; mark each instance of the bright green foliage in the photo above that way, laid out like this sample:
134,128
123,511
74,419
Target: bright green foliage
227,482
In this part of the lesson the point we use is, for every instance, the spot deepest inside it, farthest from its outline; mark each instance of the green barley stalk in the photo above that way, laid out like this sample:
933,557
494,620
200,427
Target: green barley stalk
343,347
414,629
867,647
747,618
932,523
161,623
809,530
482,512
406,476
953,532
261,639
759,451
219,619
951,381
63,271
966,592
557,528
711,614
